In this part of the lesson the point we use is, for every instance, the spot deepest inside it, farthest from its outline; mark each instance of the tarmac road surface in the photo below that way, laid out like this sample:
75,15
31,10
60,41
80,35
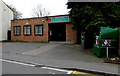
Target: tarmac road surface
11,68
56,54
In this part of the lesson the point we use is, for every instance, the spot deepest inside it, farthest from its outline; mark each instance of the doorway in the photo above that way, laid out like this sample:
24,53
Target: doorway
9,35
57,32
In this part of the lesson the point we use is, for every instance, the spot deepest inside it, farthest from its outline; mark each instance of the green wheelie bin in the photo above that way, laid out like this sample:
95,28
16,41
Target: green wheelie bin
106,44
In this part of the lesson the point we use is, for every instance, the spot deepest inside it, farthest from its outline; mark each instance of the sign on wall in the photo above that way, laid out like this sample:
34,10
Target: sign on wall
60,19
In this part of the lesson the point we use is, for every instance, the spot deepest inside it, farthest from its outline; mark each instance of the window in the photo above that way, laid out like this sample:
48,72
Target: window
17,30
38,29
27,30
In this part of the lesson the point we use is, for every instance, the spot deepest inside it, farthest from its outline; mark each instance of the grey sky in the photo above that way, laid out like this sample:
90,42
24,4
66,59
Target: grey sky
93,0
56,7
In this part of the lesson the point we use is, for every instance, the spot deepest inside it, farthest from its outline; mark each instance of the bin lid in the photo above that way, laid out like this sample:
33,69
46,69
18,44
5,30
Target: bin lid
106,32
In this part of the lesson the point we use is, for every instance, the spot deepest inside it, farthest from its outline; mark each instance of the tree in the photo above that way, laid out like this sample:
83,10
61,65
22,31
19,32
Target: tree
16,13
39,11
90,16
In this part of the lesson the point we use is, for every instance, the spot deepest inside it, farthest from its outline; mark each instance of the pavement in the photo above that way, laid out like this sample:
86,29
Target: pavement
57,54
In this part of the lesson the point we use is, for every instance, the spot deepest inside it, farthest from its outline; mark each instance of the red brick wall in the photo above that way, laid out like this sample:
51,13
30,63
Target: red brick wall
70,34
32,37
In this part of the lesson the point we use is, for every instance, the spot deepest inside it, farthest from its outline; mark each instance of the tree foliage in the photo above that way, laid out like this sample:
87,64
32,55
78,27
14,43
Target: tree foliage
90,16
39,11
16,13
93,15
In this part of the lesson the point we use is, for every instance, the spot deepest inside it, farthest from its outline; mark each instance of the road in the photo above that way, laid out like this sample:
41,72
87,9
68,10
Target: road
11,68
17,67
53,54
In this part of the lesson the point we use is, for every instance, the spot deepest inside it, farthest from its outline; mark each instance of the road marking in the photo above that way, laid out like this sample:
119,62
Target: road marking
62,70
76,72
17,63
82,73
70,72
34,65
45,67
53,68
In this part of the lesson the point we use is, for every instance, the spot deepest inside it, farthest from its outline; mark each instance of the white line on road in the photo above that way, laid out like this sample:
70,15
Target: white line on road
62,70
33,65
17,62
70,72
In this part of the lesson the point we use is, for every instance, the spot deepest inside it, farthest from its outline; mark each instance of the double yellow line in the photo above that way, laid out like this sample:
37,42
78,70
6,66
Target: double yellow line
82,73
34,64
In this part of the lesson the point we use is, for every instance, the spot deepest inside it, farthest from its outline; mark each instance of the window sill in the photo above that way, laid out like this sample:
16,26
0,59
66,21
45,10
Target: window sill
27,35
16,35
39,35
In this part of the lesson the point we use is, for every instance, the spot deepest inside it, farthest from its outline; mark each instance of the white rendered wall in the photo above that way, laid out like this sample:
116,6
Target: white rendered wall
0,37
0,20
7,16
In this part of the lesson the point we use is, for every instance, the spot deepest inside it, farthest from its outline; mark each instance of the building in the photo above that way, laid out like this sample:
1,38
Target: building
6,15
45,29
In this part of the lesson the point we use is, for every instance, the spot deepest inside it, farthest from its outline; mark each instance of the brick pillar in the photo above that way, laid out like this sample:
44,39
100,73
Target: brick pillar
71,35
